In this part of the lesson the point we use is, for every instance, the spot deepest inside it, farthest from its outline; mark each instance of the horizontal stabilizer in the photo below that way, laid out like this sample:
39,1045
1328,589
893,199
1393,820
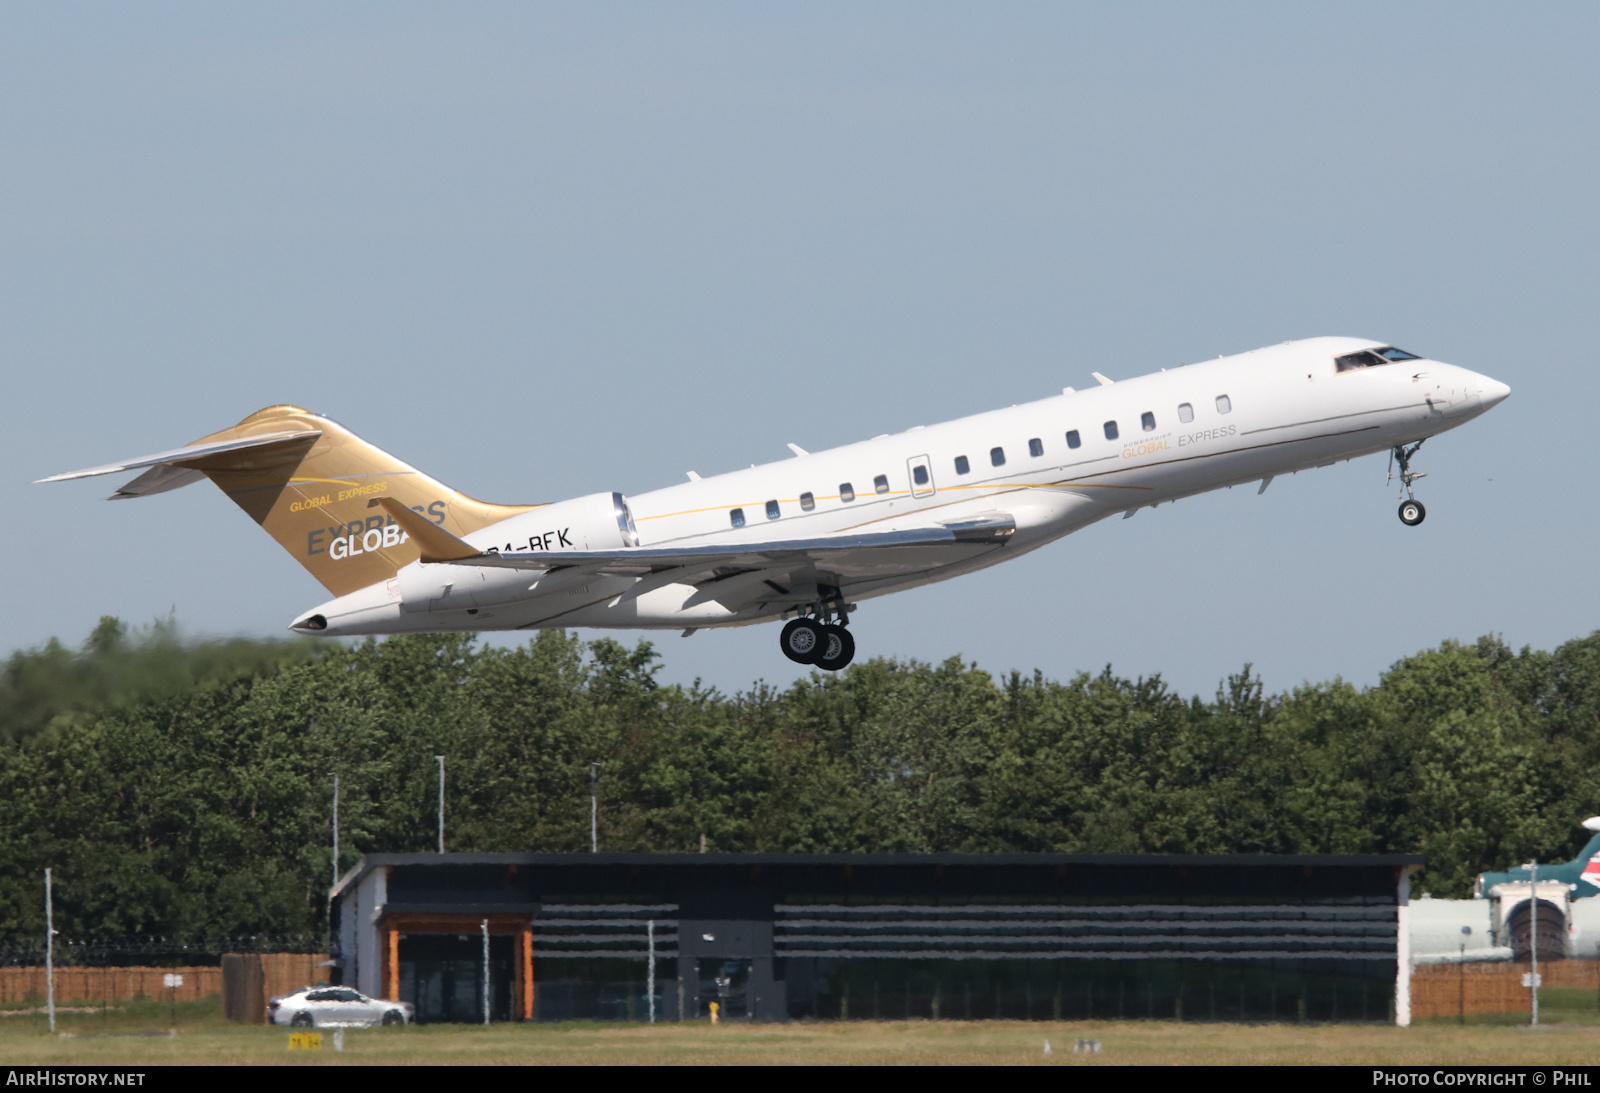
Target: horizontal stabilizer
158,479
185,458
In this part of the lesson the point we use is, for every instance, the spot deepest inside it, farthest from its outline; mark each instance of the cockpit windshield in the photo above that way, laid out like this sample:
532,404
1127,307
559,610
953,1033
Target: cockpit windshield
1372,358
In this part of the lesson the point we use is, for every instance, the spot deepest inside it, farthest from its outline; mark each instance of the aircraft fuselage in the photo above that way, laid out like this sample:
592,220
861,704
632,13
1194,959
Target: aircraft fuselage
1052,467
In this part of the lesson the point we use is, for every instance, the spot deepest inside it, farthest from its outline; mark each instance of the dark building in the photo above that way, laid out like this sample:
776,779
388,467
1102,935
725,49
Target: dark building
773,937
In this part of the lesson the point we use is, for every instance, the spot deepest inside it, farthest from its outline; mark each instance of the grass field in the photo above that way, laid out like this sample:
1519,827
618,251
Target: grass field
119,1036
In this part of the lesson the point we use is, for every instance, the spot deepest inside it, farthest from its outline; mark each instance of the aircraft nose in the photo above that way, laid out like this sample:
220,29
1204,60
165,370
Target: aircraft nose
1491,392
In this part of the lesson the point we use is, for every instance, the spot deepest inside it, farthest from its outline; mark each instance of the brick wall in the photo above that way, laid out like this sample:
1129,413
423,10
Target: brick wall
1447,990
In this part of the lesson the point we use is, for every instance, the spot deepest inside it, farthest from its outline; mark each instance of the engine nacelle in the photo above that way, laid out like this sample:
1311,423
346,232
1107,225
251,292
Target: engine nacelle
440,586
600,521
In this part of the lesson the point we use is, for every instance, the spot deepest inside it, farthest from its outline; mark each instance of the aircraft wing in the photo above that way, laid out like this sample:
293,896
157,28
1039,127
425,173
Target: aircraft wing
739,571
982,532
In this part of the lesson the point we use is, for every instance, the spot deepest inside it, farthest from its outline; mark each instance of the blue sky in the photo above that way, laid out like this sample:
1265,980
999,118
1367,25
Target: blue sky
545,250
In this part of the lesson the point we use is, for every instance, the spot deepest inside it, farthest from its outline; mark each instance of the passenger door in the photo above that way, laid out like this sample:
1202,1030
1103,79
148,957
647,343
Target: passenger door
920,471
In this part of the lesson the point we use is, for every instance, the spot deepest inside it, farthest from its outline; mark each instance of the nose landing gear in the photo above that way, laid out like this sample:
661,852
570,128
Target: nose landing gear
1412,511
819,639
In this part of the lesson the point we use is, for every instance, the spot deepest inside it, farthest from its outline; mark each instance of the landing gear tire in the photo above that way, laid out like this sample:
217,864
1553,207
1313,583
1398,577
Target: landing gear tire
803,641
1412,513
839,648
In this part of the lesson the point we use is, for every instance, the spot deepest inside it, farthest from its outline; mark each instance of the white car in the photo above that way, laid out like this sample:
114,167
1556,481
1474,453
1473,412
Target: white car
312,1007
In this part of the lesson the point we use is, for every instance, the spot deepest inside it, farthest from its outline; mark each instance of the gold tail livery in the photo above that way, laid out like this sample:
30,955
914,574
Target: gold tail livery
806,538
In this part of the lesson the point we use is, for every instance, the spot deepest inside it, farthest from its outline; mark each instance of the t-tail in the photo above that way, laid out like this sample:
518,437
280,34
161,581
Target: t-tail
1582,872
1589,856
311,484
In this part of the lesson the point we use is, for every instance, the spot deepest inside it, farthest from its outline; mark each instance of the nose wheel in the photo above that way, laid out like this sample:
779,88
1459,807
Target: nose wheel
1412,511
827,645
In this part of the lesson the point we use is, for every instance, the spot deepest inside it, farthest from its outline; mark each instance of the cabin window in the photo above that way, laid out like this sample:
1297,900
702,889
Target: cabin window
1073,439
1224,404
962,466
1036,447
736,518
880,484
772,510
846,493
919,475
997,457
807,502
1147,421
1185,412
1111,430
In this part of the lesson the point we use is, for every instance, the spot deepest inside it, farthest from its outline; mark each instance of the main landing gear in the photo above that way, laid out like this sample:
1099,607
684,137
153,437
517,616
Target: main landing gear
818,639
1412,512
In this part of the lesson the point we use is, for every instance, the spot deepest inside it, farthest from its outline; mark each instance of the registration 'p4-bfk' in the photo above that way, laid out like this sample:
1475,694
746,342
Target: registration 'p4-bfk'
804,539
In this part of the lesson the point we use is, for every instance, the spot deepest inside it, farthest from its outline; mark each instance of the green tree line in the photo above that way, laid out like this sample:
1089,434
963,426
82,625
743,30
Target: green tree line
190,797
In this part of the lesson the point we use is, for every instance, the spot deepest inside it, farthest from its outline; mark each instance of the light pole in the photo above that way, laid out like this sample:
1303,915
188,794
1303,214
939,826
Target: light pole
1533,906
440,760
1466,932
50,950
486,971
335,830
335,883
594,808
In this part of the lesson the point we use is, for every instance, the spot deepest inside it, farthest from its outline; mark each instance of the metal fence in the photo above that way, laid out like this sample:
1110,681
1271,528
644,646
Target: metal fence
151,952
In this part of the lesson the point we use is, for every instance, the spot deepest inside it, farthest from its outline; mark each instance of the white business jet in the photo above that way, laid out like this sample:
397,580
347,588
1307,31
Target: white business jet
808,537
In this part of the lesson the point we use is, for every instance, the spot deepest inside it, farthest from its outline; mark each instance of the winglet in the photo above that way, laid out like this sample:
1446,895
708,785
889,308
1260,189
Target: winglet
436,544
1102,380
797,450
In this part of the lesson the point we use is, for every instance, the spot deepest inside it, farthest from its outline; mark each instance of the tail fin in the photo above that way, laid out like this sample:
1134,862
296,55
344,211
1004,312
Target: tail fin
1590,854
310,483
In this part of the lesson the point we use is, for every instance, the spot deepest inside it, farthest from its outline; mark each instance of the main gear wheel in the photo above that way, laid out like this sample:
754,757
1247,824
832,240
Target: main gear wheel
803,641
839,648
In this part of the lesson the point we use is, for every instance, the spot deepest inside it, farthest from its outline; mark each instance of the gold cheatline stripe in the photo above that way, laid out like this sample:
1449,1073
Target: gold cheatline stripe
997,487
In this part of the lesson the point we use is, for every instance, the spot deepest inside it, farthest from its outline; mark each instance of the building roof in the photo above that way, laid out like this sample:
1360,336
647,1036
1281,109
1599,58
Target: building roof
978,862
